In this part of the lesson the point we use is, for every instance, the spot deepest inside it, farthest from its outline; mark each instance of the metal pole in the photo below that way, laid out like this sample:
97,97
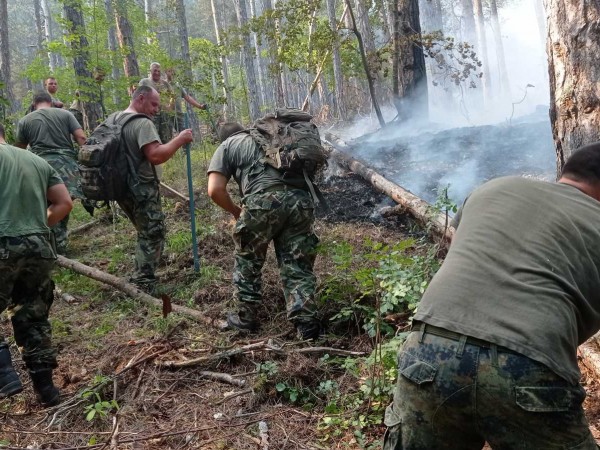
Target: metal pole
188,156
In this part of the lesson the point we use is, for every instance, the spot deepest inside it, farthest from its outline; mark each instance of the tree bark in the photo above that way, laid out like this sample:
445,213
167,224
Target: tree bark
411,99
5,76
363,56
52,60
182,31
339,105
502,69
92,110
147,17
125,38
228,108
112,46
248,61
573,50
479,21
258,61
130,289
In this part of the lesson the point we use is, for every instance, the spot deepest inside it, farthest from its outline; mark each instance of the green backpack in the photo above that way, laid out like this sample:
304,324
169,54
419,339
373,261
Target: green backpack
291,144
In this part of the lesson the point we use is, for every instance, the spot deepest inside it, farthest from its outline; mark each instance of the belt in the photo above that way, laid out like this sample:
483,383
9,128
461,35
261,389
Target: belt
442,332
280,187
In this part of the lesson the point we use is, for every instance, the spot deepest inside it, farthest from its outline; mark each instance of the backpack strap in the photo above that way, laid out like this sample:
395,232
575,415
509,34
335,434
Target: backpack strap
123,119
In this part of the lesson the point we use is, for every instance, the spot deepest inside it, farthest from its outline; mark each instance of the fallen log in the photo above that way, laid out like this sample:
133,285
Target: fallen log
174,192
84,227
436,223
132,290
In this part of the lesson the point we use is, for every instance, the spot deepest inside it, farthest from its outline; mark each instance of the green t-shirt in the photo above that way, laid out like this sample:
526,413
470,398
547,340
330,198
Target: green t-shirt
25,180
135,135
48,131
165,90
239,157
523,271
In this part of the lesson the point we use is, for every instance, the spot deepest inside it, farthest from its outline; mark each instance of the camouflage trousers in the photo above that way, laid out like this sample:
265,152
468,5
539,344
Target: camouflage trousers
454,394
164,122
26,292
143,208
65,163
285,217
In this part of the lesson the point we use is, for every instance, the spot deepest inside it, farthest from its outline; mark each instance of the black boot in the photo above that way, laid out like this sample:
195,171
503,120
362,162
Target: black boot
243,320
10,384
45,391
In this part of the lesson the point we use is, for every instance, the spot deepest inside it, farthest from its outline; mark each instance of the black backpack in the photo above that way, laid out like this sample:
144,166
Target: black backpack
291,144
103,162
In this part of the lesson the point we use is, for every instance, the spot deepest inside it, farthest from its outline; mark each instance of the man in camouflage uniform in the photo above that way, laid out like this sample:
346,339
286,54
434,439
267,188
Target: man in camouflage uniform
492,355
164,118
48,132
27,255
142,203
51,86
273,210
181,94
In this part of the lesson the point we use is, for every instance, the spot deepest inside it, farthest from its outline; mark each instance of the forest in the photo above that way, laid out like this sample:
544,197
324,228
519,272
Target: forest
437,96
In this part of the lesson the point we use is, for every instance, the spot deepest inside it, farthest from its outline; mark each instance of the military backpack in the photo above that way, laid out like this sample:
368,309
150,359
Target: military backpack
291,144
103,161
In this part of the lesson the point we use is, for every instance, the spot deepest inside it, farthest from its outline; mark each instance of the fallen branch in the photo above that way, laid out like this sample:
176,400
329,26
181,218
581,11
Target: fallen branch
263,346
418,208
263,430
84,227
223,377
131,290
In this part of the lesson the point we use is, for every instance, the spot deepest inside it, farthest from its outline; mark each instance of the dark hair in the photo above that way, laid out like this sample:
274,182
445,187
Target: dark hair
42,97
229,128
141,90
2,135
584,164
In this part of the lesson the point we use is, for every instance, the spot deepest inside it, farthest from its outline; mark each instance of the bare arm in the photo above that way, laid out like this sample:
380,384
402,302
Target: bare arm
159,153
60,203
192,101
217,191
79,136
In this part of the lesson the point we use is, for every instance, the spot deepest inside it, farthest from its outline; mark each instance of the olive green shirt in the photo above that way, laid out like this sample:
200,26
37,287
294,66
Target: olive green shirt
25,180
523,271
239,157
135,134
164,88
48,131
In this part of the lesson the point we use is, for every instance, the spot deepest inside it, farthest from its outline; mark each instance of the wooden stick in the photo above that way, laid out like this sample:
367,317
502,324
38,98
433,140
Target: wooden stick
263,432
83,227
418,208
174,192
224,377
131,290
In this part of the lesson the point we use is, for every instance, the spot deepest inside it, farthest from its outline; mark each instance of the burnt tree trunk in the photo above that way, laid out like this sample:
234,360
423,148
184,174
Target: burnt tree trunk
125,38
339,105
573,51
92,110
411,98
6,89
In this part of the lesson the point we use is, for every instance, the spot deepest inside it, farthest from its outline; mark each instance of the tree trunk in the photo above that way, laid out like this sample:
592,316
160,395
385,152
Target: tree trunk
258,61
479,21
383,10
412,74
339,106
573,52
248,61
148,17
39,27
5,77
363,56
541,20
502,69
112,46
125,38
228,108
181,23
275,49
92,109
52,63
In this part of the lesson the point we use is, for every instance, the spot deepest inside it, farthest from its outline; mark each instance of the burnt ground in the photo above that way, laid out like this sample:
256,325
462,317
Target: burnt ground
120,347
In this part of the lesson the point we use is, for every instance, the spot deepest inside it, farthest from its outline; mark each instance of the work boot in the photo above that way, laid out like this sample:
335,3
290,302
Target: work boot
308,329
10,384
243,320
46,393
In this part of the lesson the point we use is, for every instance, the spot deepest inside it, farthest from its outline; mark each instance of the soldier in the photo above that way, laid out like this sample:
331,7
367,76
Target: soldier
29,185
181,93
48,133
166,120
492,355
51,86
273,210
142,203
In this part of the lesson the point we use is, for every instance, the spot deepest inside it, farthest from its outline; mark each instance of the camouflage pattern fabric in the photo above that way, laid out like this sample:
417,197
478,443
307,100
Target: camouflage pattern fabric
164,122
26,292
143,208
451,394
285,217
65,163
